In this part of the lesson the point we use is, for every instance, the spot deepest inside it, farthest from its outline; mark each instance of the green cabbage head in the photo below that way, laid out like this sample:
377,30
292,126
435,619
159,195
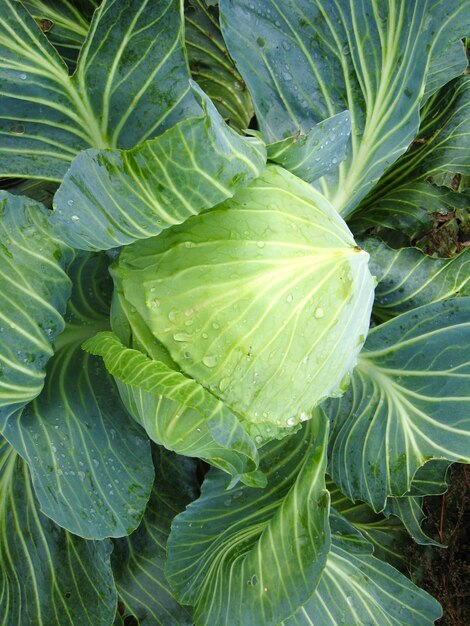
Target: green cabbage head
264,300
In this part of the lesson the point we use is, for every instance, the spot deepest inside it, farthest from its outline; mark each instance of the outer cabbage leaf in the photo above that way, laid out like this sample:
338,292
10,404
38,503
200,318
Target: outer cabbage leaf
357,588
306,60
430,479
64,23
246,557
387,535
90,462
264,300
211,66
408,211
49,576
407,278
313,154
138,560
442,146
409,510
131,83
113,197
408,403
33,295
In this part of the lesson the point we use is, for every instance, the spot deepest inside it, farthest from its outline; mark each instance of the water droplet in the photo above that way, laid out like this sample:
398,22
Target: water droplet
215,326
23,76
75,218
173,315
289,298
81,475
303,416
224,383
190,244
70,202
258,439
334,160
204,335
319,312
260,244
291,421
182,337
189,312
210,360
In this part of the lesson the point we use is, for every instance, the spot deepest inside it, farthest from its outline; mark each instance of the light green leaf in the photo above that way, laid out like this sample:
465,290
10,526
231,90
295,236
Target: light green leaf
65,24
304,61
49,576
313,154
110,198
138,561
407,278
33,294
90,463
264,300
212,68
246,557
131,84
357,589
175,410
408,402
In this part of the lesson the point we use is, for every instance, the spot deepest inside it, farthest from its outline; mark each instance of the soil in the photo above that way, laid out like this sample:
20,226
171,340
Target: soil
445,572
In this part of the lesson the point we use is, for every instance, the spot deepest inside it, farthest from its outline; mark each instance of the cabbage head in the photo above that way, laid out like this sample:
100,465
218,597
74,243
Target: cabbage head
264,300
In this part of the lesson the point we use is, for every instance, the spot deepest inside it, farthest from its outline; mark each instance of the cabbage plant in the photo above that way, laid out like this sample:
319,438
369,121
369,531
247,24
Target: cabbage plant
228,373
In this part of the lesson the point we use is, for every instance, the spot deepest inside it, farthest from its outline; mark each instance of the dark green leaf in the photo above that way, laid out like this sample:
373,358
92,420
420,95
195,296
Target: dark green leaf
305,60
212,68
408,510
138,561
33,295
90,462
442,145
131,84
313,154
358,589
409,210
245,557
407,278
109,198
408,402
49,576
387,535
65,24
